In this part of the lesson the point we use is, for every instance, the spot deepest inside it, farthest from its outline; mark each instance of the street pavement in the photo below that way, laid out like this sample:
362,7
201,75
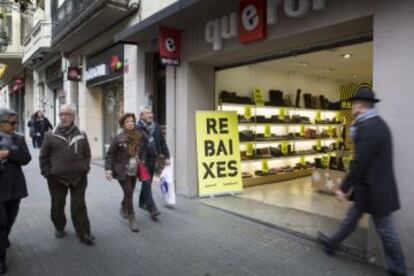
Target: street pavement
192,239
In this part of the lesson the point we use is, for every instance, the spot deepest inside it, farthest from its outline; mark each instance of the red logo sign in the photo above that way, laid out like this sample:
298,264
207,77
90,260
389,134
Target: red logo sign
253,24
74,74
116,64
170,46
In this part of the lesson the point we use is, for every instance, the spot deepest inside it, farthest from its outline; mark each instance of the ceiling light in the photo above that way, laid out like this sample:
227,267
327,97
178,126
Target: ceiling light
304,63
347,55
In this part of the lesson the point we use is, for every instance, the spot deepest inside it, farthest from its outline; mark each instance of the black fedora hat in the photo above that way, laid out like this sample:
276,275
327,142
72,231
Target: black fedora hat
364,94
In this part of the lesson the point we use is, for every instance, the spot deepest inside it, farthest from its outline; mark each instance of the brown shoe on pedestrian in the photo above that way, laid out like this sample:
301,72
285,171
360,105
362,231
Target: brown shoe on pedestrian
133,225
60,234
123,213
87,239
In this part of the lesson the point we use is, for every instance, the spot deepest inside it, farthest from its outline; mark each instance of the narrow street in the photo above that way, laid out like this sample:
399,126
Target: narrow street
191,239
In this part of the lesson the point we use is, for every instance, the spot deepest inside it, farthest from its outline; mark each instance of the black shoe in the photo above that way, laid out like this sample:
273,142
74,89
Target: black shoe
329,248
3,268
60,234
143,206
7,243
396,273
87,239
154,213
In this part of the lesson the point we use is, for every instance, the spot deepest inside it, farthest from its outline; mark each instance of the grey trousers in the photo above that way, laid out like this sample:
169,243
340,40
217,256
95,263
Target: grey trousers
385,229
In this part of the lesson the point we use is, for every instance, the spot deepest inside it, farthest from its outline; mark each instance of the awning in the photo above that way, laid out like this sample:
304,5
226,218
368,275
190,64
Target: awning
179,15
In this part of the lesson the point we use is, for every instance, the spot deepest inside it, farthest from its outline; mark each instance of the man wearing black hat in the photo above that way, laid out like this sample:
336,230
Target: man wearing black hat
372,181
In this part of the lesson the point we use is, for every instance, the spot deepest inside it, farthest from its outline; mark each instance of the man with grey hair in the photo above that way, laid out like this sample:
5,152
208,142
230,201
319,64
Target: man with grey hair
13,154
65,163
157,153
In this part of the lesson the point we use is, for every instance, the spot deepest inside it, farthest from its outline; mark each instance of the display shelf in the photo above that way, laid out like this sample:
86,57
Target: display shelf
260,180
278,107
278,141
286,157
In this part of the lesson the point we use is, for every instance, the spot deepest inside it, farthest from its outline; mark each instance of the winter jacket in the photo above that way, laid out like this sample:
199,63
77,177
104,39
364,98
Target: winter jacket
12,180
117,157
65,158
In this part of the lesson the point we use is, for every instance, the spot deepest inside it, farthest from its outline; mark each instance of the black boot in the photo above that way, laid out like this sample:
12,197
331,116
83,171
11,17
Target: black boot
3,268
329,248
298,92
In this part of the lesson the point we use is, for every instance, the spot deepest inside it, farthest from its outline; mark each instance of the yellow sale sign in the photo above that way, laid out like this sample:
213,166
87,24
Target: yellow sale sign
218,153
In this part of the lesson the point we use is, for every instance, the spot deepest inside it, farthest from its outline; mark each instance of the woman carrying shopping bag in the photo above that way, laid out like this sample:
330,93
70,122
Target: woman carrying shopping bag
123,162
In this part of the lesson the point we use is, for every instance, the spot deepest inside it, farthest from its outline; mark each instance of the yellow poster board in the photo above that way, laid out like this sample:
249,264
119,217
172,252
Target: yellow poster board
218,153
258,97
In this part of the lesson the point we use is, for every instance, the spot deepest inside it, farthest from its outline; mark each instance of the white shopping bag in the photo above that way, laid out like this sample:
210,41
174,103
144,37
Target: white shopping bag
167,184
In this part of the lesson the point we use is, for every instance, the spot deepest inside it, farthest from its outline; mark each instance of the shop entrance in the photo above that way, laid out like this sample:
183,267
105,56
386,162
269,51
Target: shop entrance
113,108
293,130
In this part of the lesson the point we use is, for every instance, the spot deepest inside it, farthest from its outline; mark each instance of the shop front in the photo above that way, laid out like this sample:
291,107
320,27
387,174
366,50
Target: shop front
16,98
105,72
283,67
54,82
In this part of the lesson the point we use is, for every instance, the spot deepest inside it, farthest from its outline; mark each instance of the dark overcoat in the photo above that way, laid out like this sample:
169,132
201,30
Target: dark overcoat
12,180
371,176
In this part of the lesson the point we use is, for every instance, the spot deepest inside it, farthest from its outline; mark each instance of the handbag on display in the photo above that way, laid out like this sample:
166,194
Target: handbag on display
142,172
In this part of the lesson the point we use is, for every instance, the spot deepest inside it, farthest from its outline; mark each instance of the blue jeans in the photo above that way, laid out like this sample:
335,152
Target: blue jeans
385,229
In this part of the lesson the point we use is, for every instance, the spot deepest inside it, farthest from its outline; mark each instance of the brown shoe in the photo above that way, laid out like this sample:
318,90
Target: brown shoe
123,213
133,225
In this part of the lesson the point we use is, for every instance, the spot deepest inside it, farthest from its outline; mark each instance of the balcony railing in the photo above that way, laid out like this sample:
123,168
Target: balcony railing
72,12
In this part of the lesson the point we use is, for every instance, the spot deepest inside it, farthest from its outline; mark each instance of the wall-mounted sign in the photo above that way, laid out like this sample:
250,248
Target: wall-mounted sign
74,74
170,46
105,66
254,18
18,83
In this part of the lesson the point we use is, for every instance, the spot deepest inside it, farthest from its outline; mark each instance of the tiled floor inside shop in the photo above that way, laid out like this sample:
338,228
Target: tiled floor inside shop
298,194
293,206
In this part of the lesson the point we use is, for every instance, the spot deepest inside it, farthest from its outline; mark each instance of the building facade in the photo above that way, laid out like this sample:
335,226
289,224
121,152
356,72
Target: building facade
212,44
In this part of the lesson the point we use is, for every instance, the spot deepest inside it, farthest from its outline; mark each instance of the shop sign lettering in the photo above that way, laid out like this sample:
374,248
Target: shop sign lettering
248,24
96,72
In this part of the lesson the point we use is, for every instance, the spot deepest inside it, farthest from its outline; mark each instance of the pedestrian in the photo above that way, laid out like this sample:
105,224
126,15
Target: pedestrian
65,162
41,125
127,149
157,153
32,131
13,154
372,181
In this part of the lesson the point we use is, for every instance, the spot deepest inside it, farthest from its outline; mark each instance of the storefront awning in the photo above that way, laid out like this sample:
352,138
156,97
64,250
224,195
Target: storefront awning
179,15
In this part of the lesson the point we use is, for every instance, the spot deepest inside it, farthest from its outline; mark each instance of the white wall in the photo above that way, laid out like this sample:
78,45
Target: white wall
4,96
90,115
244,79
393,82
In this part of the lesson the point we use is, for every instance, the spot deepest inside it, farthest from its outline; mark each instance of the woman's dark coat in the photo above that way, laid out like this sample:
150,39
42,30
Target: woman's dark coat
117,157
12,180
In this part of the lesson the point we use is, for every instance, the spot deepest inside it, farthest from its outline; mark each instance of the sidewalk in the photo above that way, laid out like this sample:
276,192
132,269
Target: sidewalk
192,239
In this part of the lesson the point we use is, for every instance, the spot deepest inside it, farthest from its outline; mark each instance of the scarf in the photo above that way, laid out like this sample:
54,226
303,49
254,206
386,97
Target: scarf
67,131
134,138
373,112
149,130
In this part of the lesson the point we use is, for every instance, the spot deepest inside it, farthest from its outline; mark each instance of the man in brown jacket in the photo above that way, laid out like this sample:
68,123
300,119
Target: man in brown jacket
65,163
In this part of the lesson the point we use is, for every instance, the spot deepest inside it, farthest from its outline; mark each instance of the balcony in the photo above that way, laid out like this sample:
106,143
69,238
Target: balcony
77,21
37,39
